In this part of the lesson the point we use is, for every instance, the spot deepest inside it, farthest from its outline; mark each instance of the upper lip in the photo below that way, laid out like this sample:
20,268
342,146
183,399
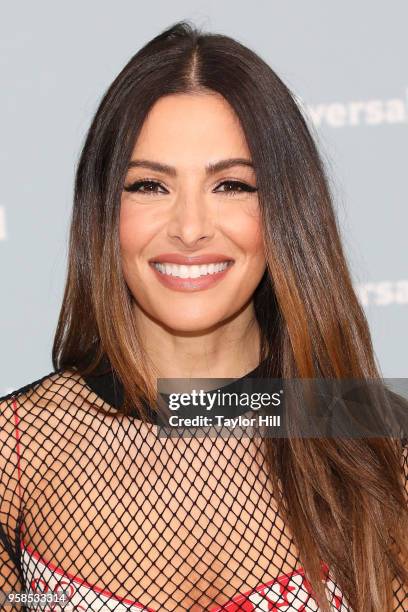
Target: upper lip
176,258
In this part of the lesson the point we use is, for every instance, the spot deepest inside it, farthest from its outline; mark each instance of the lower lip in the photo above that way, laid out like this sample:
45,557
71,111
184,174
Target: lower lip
191,284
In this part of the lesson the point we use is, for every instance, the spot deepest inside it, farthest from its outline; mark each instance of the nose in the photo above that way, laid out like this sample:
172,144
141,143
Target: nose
192,220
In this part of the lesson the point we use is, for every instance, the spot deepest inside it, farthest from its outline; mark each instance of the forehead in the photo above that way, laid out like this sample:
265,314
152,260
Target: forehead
191,127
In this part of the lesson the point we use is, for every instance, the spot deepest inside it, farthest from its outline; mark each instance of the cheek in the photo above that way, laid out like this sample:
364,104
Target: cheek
132,239
135,231
245,229
129,239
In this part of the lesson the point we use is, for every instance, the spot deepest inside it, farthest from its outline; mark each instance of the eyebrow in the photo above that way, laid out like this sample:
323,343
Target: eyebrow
211,168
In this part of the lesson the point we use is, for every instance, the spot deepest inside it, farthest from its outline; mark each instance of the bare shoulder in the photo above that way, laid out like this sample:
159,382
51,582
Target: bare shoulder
49,404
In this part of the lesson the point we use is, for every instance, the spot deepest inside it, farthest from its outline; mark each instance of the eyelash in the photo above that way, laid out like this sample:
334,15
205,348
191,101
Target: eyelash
133,187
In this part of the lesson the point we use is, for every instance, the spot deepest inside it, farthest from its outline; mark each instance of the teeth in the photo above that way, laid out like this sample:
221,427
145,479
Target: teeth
183,271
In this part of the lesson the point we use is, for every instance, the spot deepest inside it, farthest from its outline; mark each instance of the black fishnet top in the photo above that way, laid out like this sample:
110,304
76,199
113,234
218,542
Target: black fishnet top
121,519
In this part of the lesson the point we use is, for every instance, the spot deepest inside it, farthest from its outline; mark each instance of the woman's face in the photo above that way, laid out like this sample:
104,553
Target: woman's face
191,211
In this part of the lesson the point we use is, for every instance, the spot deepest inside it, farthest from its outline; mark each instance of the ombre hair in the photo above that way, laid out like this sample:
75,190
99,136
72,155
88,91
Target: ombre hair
343,499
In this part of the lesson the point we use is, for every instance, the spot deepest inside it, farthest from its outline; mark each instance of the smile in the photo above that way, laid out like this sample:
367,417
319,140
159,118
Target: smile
184,271
190,278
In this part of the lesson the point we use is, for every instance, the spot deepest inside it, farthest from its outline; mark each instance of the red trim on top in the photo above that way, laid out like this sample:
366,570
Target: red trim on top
80,581
240,598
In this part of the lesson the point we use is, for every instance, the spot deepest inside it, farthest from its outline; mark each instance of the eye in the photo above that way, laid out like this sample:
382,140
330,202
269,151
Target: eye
150,187
236,187
136,187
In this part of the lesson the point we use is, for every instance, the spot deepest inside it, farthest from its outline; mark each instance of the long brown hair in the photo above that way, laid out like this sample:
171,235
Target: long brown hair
351,513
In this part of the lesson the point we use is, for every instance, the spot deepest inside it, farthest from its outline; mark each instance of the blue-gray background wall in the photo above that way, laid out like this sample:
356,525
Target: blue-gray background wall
346,63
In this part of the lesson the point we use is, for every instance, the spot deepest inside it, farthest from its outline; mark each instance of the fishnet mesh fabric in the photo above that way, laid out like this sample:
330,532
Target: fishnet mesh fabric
124,520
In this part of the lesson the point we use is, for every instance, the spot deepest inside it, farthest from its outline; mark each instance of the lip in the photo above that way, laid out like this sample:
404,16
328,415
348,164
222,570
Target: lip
190,284
177,258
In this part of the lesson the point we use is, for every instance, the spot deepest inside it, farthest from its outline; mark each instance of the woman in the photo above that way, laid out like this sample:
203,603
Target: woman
199,156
